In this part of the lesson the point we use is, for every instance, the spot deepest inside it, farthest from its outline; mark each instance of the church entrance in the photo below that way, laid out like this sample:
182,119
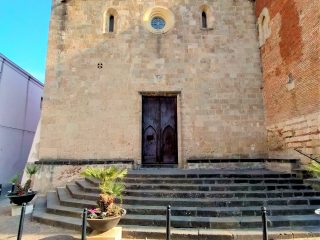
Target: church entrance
159,130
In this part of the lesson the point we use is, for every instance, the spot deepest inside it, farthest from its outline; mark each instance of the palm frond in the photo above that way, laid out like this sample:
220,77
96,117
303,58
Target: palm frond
314,169
31,169
105,174
110,179
15,179
112,188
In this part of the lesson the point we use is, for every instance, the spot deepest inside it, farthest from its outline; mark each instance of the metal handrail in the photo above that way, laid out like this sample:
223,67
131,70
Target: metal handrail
306,155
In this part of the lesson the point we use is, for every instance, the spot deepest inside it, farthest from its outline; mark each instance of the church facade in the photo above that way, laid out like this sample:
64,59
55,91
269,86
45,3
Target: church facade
289,33
156,82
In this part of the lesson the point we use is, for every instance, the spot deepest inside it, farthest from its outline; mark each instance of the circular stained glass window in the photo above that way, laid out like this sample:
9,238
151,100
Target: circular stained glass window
158,23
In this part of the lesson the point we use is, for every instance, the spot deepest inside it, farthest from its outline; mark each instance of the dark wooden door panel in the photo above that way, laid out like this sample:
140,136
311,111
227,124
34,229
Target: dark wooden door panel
168,129
151,118
159,130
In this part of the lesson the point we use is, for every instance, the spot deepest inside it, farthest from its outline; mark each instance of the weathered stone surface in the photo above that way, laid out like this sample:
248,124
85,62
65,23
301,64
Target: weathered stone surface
95,113
300,132
290,63
51,176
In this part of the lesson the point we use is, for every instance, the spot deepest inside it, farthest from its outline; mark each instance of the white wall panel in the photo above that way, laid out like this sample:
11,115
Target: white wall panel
10,145
13,94
27,140
20,99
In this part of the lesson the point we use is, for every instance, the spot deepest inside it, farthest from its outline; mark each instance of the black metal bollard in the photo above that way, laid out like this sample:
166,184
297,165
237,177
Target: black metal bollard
168,231
264,223
23,210
0,189
84,224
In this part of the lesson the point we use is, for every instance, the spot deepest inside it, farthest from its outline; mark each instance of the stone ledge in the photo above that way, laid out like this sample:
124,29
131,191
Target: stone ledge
242,160
281,165
84,162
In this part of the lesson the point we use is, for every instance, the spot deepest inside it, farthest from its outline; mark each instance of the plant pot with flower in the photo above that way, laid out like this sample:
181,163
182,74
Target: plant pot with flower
314,169
108,213
23,193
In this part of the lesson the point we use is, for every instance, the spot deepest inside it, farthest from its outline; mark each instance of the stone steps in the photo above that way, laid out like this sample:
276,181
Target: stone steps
220,222
66,199
88,187
147,232
41,215
73,222
54,207
221,194
214,181
199,194
165,199
209,173
220,211
198,201
222,202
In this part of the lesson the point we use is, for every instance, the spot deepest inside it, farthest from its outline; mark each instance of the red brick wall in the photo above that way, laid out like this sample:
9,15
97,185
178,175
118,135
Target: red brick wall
292,48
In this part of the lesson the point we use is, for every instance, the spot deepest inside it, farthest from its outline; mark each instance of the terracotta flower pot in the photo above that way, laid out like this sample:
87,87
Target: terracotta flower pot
104,225
20,199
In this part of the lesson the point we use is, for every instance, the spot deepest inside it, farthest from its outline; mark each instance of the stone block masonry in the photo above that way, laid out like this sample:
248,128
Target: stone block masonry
300,132
92,112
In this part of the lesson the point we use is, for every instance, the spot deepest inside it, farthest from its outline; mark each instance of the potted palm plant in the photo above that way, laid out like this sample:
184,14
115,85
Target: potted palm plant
314,169
108,213
23,193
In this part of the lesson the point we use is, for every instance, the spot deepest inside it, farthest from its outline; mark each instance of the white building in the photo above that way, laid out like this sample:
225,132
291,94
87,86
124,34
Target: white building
20,107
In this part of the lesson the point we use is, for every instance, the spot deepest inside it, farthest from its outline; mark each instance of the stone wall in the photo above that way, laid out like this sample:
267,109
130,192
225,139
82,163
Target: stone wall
277,165
95,113
291,73
52,174
300,132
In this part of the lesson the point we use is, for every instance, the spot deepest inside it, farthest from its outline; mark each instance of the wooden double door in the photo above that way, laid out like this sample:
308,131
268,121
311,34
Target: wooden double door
159,130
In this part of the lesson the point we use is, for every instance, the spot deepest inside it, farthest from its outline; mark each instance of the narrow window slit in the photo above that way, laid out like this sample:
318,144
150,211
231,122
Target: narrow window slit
204,20
111,23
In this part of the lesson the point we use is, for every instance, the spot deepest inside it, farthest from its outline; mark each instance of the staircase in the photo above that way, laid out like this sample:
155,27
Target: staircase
204,202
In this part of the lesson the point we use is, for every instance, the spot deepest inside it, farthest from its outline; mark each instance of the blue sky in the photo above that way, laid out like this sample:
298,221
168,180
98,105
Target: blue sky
24,26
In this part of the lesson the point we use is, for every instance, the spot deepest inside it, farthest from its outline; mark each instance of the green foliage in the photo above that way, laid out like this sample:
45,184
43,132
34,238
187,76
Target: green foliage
314,169
110,179
106,174
111,187
316,187
15,179
20,189
31,170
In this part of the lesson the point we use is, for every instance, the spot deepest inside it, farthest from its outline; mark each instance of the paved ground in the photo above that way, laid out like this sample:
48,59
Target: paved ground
32,231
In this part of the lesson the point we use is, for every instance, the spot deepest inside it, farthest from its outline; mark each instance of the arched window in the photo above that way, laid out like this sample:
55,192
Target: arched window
204,20
206,17
111,23
264,26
